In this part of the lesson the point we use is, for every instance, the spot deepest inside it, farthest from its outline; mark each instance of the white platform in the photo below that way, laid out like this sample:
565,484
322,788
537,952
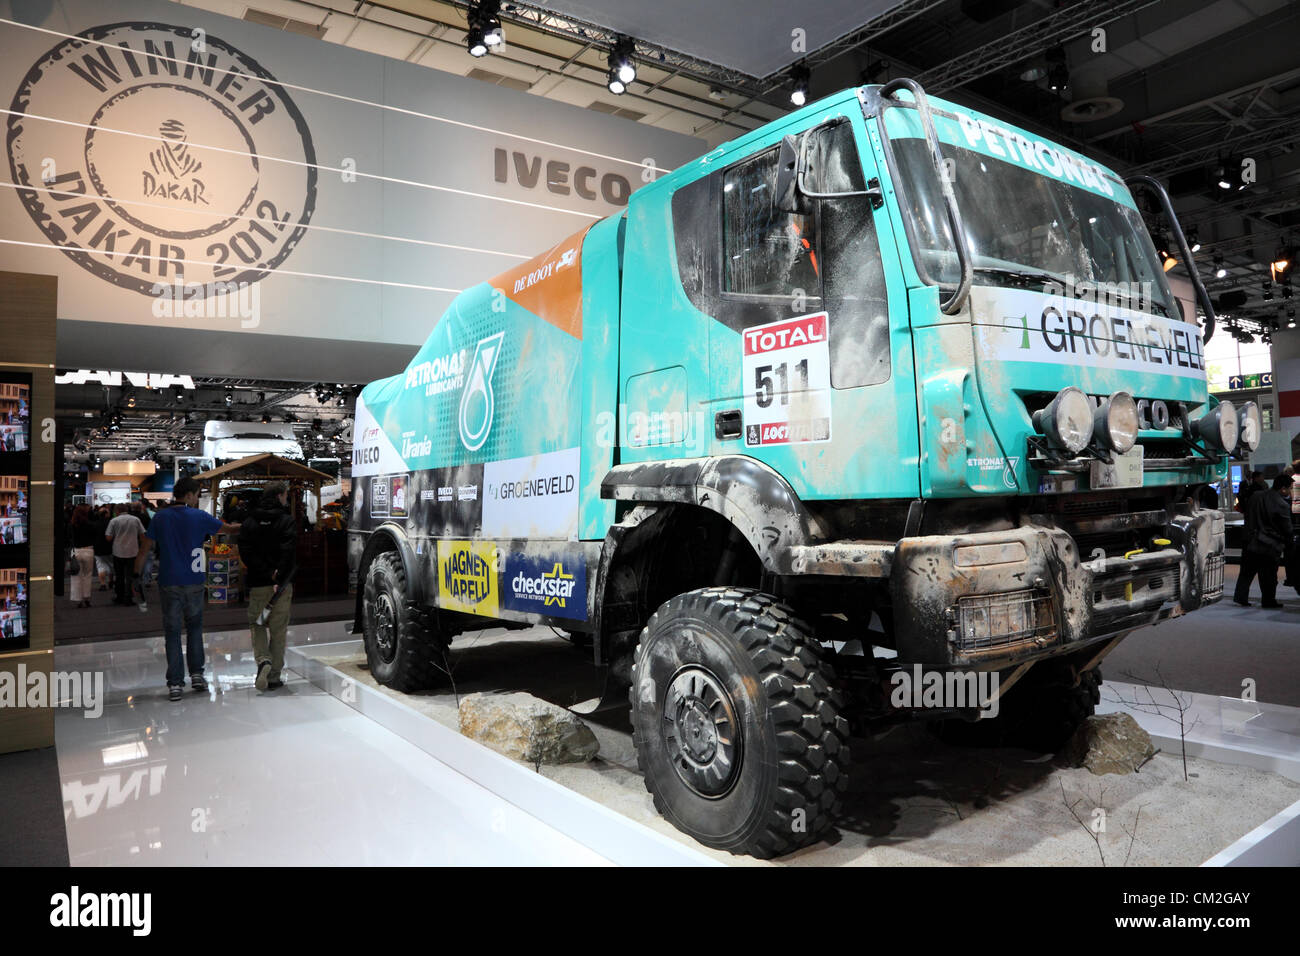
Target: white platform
295,776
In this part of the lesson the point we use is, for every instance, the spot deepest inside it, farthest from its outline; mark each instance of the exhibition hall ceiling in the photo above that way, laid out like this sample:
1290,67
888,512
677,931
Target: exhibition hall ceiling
1166,87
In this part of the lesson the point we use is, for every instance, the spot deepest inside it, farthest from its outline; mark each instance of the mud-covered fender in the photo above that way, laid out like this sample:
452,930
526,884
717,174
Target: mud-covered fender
388,537
750,495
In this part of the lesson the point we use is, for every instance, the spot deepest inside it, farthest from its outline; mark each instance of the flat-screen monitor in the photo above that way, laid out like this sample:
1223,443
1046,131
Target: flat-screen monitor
13,509
13,609
15,413
1237,471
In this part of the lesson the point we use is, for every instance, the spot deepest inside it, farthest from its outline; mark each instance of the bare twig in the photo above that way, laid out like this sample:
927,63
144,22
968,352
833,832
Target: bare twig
1096,839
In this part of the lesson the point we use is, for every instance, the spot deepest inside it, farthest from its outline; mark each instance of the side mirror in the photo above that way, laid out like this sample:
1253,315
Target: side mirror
784,192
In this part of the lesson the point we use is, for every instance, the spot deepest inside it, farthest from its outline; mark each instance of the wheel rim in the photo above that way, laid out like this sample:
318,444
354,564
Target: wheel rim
385,627
701,732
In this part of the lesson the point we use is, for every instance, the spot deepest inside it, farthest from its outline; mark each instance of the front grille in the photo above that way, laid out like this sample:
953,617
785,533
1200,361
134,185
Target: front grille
998,620
1214,577
1143,586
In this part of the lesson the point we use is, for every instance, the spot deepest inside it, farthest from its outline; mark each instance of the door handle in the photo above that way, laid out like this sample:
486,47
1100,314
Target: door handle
726,424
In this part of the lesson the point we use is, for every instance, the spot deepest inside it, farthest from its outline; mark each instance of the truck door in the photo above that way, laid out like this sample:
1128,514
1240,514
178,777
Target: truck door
810,352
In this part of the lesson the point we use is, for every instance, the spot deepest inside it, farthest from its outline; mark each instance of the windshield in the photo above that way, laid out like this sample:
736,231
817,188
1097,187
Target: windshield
1025,229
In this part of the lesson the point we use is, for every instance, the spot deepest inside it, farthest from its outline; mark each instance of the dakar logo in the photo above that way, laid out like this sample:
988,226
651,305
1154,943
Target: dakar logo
146,151
174,167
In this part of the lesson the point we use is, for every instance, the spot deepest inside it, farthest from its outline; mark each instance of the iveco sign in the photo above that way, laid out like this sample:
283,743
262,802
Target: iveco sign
560,177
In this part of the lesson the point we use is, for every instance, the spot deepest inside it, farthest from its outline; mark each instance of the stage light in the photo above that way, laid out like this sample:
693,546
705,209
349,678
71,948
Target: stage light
800,74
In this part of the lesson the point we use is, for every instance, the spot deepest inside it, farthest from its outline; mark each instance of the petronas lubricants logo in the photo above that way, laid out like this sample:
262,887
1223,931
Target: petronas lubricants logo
477,403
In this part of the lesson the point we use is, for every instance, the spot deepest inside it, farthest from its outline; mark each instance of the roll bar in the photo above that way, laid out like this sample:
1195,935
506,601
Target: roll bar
1202,296
954,302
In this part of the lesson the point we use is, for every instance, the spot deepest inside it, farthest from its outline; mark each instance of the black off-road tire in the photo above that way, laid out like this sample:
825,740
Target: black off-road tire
404,648
1041,712
780,731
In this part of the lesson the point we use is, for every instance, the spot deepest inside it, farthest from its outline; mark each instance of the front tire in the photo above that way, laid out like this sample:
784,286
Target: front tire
736,723
404,648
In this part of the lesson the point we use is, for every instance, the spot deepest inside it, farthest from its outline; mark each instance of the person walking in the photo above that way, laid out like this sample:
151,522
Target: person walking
124,532
179,533
103,550
1268,533
82,534
268,546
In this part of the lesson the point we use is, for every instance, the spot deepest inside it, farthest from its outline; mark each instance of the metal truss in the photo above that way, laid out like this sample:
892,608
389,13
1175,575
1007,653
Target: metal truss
1064,24
1281,133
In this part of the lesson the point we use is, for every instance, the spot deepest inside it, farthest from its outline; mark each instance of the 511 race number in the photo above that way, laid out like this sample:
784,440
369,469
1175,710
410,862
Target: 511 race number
786,372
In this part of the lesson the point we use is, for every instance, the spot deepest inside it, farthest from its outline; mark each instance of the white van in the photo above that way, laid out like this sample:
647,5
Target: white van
225,442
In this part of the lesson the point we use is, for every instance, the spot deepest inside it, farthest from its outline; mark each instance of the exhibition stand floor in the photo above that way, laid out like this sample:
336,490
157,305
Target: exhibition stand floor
333,769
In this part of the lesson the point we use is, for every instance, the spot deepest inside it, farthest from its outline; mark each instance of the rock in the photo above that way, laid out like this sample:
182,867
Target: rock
526,728
1113,743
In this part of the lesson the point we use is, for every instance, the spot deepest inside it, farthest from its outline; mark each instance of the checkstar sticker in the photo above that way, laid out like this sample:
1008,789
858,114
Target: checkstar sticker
556,574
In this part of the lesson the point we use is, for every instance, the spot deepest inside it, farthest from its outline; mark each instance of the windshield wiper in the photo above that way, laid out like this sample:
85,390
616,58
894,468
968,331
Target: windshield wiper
1024,277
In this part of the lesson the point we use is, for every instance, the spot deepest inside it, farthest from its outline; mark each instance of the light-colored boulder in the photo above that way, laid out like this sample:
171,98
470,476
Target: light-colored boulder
526,728
1112,743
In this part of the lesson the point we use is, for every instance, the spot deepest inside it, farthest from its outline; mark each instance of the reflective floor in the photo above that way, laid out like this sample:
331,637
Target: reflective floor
294,776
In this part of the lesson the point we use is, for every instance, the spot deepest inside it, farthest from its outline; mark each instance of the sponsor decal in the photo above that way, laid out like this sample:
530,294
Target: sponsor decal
397,496
151,144
436,376
552,585
786,380
1035,154
532,497
372,450
1007,466
561,178
467,577
1020,325
379,497
477,402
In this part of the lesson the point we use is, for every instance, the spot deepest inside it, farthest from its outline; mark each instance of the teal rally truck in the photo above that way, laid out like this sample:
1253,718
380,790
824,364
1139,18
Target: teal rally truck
882,390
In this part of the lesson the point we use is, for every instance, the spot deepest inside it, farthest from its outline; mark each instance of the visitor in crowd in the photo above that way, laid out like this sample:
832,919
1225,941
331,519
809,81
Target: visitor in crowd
103,549
81,535
1268,535
1253,483
126,533
268,546
179,533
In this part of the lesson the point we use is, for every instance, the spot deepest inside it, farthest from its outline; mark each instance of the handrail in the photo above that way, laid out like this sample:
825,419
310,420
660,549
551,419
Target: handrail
1202,296
954,302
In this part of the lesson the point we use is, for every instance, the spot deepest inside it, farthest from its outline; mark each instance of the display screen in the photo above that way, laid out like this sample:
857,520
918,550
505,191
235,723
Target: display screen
13,509
1236,478
15,413
13,609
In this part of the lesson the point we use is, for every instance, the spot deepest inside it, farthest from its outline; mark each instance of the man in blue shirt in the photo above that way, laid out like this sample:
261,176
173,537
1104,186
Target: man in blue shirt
179,533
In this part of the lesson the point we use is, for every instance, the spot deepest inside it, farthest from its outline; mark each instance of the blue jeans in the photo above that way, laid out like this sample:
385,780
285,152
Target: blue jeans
183,604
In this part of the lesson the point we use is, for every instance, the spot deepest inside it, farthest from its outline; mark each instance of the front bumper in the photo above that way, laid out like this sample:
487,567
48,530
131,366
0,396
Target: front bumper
990,600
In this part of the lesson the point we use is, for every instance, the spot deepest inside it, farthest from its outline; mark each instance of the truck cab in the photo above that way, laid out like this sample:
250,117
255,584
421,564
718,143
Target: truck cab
882,387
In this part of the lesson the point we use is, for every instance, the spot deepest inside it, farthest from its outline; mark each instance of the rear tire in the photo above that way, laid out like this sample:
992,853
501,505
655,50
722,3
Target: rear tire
404,648
736,723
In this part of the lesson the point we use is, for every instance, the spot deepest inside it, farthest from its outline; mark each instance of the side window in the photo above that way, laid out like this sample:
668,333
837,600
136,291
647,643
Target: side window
766,252
853,275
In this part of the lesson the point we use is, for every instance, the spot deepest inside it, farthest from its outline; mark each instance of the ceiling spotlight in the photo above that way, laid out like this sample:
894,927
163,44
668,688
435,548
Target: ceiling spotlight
1034,73
800,74
621,64
1283,262
130,400
229,397
1220,270
1224,173
266,418
1194,239
484,33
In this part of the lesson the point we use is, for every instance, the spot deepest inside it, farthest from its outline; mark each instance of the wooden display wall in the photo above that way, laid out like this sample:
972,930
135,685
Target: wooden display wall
28,306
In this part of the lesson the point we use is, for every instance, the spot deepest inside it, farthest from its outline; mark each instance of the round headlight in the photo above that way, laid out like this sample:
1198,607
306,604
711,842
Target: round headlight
1219,427
1067,420
1115,422
1249,426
